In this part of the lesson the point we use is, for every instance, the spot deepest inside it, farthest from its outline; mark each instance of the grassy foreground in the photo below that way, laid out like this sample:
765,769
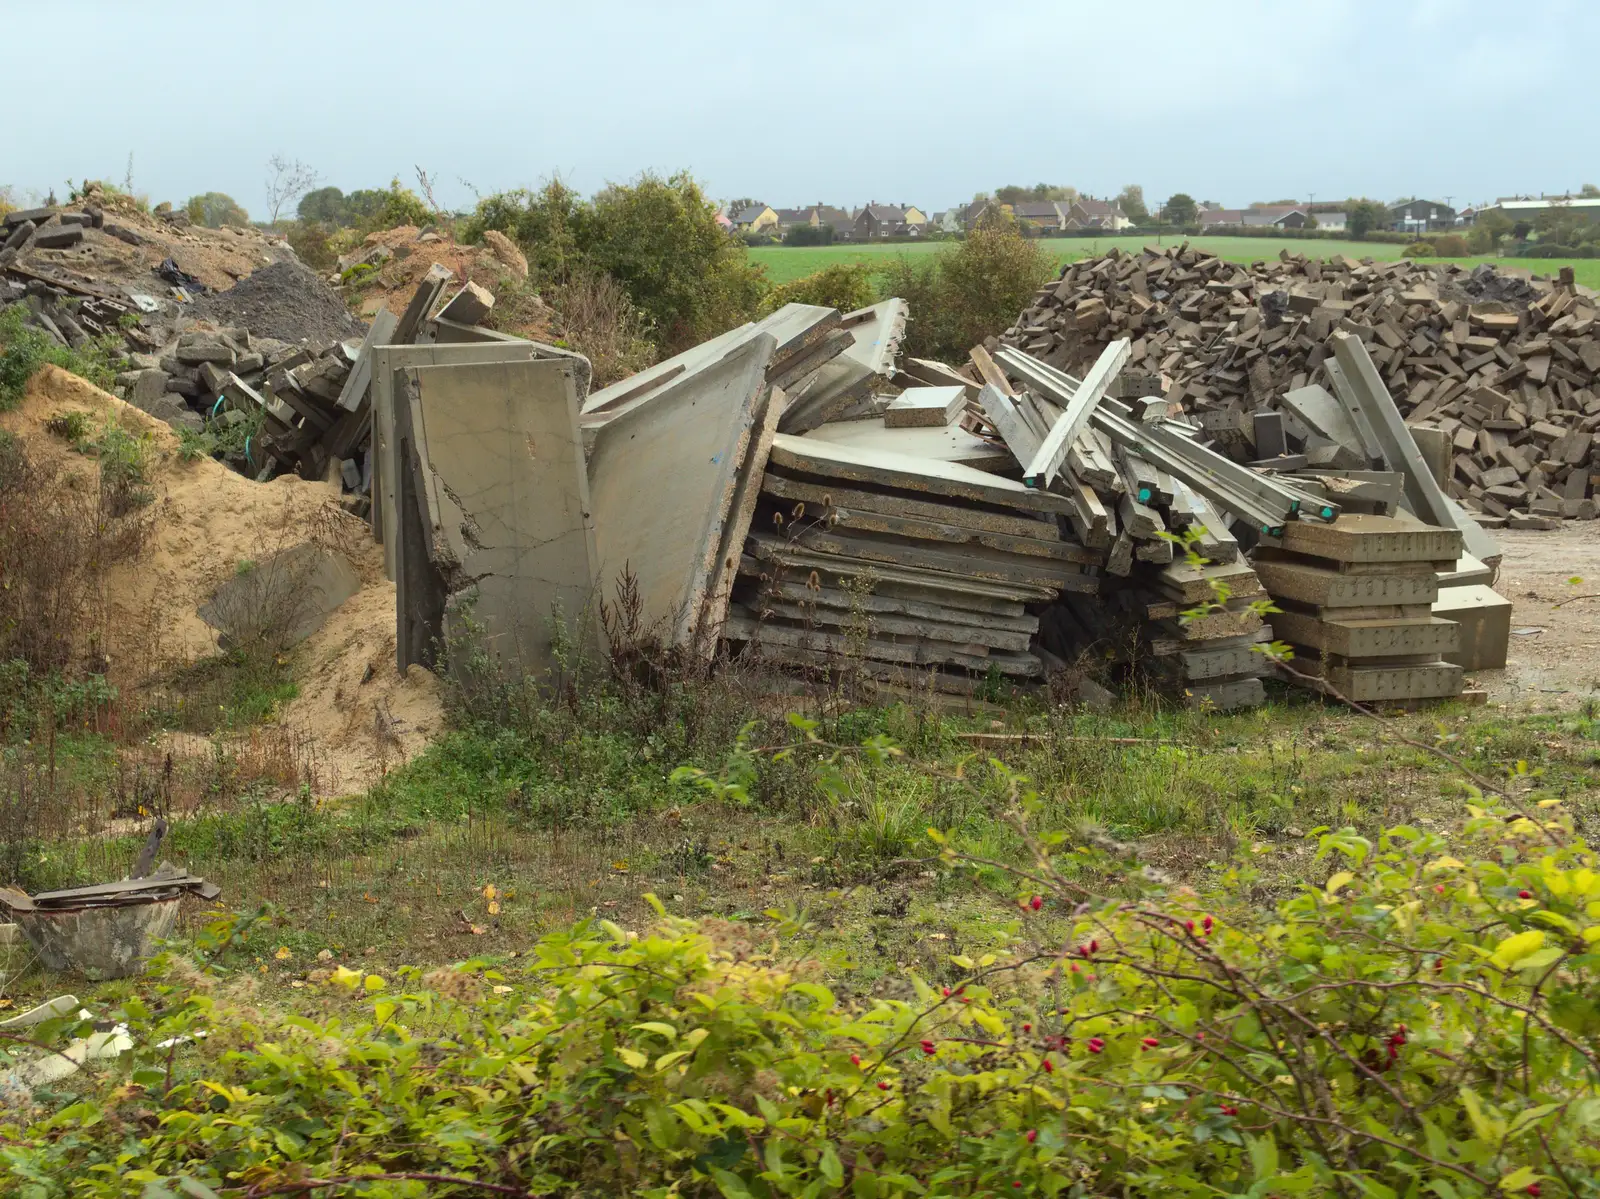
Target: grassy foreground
783,263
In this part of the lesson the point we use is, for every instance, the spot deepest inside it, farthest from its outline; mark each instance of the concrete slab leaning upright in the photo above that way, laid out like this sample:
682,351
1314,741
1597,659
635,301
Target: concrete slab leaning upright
494,494
663,475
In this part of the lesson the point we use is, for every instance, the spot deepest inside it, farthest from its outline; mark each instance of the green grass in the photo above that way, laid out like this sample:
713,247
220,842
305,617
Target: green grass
784,263
578,813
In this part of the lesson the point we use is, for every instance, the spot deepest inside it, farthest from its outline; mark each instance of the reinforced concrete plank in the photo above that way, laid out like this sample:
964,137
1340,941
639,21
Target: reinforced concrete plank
1334,589
925,407
1360,538
962,590
878,623
978,562
663,475
858,520
887,469
919,651
941,444
881,601
1374,684
820,496
504,494
1368,638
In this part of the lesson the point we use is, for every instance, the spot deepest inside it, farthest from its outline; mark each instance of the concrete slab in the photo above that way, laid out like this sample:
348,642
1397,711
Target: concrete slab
967,560
1485,621
877,332
1368,638
816,498
1334,589
1361,538
934,586
925,407
937,444
386,360
503,499
1375,684
469,305
883,468
663,476
884,600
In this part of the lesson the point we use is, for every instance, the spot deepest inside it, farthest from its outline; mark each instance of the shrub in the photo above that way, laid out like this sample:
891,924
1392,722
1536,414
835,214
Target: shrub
1418,1023
657,237
1419,249
216,209
808,235
24,349
846,286
596,318
967,292
1450,245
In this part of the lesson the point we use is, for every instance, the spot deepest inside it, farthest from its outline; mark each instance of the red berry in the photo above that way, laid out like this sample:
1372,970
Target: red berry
945,991
1033,1135
1027,1028
1036,903
1206,923
1199,1036
1049,1066
1083,951
1400,1028
883,1086
1016,1186
1095,1044
1189,925
855,1059
1438,964
1526,895
1439,887
928,1048
830,1096
1149,1042
1094,947
1393,1051
1075,967
1228,1110
1090,976
1533,1188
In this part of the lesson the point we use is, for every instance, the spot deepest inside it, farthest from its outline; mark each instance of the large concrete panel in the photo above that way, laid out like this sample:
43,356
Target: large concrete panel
663,474
386,360
503,501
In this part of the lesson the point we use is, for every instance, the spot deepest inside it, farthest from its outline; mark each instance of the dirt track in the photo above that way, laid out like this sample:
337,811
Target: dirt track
1559,664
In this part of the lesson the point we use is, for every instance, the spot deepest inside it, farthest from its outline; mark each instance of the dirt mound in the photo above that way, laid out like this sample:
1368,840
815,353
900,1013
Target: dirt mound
355,709
518,311
286,301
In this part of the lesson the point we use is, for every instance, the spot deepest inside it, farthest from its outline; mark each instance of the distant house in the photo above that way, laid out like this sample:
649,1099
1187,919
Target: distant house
948,221
1047,216
1262,216
757,218
788,218
1333,222
1419,216
1088,213
877,221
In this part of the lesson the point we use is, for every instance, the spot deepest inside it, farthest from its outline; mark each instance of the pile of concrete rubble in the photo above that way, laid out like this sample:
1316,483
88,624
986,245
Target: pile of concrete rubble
1506,368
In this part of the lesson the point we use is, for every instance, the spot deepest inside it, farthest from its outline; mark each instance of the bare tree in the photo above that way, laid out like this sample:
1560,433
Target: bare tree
287,181
425,184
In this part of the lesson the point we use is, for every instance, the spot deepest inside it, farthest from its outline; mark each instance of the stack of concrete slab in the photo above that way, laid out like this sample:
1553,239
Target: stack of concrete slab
1357,601
903,567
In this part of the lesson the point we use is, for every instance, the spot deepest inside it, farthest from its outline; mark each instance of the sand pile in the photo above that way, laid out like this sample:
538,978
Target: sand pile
355,709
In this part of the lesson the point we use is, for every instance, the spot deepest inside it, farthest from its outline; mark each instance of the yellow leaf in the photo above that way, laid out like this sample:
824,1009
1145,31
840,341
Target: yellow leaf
283,954
374,982
661,1029
692,1039
1592,933
1514,948
503,990
494,907
1339,881
666,1059
1444,863
345,977
633,1057
1519,1180
489,892
478,930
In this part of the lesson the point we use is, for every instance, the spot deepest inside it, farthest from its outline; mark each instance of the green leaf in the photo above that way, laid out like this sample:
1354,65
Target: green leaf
731,1186
1519,1180
656,1026
633,1057
1263,1157
829,1165
1542,958
194,1187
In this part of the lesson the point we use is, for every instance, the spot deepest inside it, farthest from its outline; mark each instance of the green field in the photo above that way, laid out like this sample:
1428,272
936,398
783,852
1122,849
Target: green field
784,263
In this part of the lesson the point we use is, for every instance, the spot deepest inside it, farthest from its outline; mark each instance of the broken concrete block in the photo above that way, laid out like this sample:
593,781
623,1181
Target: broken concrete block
198,349
506,251
919,407
57,237
1485,621
468,306
19,234
147,389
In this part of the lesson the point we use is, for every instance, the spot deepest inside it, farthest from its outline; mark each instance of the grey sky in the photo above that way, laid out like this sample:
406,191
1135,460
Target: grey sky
831,101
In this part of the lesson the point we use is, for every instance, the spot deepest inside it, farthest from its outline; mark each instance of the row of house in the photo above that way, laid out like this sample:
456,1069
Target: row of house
874,222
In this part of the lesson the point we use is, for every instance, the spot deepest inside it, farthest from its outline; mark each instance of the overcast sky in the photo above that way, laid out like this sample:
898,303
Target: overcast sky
797,103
